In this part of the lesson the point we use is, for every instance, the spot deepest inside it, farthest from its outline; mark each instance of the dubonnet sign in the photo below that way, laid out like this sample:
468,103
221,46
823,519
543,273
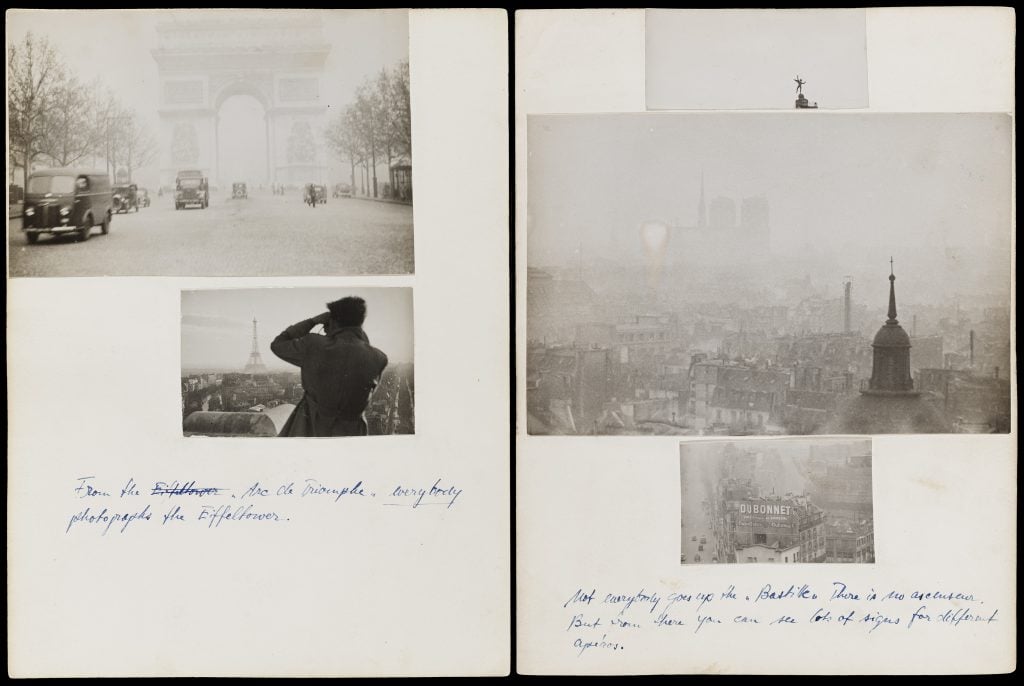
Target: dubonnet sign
758,513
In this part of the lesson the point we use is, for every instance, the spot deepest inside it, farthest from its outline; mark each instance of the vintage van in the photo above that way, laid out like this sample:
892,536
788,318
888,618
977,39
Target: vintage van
66,201
191,188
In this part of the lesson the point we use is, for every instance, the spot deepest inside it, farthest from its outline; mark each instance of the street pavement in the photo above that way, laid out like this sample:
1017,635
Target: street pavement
695,520
264,235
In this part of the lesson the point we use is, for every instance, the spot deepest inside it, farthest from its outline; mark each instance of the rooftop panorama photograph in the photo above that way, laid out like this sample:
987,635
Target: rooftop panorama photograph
768,274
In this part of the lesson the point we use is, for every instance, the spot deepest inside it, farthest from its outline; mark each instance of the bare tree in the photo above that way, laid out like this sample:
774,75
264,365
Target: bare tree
369,125
34,72
136,144
341,137
66,132
105,112
117,123
377,126
385,114
400,116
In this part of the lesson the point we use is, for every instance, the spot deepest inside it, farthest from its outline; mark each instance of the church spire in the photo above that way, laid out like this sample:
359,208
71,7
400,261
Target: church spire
892,296
890,367
702,216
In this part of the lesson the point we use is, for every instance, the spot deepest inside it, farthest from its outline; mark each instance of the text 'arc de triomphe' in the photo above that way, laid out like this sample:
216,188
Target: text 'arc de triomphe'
279,60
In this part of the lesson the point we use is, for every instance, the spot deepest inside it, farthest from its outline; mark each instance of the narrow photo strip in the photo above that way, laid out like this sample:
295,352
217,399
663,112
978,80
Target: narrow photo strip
756,59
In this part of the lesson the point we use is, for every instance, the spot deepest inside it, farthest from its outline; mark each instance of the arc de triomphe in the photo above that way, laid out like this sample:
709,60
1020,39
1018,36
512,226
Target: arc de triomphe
277,59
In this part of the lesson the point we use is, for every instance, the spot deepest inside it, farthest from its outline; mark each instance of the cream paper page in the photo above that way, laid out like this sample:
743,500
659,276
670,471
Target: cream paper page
340,586
600,588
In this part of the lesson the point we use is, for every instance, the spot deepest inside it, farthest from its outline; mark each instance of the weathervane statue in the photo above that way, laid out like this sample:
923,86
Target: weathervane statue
801,100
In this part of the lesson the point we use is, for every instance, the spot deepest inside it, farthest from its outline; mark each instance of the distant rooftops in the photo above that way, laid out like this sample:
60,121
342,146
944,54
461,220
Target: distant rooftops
229,424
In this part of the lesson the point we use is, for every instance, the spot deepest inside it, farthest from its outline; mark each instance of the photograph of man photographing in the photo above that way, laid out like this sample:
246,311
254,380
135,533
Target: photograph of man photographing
339,367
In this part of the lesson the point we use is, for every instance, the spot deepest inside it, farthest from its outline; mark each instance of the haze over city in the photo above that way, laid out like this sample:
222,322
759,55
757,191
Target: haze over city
216,331
770,274
844,191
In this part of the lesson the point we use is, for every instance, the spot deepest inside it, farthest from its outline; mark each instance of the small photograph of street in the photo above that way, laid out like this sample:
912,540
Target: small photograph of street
209,143
776,501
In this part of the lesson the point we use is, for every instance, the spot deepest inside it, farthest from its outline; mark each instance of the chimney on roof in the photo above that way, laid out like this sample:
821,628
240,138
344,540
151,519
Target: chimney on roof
847,287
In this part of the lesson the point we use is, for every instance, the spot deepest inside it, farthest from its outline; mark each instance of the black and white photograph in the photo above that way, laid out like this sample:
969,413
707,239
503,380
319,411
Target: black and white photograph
209,143
756,59
776,500
297,362
768,274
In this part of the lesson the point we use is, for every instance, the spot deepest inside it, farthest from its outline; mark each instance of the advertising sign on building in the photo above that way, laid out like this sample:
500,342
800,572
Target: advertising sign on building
757,513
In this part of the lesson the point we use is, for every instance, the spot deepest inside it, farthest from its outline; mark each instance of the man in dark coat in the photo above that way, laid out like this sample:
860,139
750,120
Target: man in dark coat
340,370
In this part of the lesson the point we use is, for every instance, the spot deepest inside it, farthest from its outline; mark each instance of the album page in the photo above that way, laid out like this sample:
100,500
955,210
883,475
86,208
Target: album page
766,397
258,340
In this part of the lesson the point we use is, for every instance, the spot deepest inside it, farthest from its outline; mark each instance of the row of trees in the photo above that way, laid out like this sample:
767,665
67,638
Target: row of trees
377,126
56,119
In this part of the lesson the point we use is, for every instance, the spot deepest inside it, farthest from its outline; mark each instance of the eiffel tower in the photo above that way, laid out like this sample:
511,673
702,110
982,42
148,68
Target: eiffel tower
255,364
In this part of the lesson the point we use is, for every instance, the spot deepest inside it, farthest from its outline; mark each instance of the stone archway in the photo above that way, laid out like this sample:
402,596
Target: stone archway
261,90
276,57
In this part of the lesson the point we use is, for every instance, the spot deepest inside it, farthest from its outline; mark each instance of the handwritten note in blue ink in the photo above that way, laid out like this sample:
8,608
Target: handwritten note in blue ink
613,620
126,506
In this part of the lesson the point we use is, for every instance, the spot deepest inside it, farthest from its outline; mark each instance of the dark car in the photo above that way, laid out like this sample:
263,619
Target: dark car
238,191
67,201
191,188
314,195
125,197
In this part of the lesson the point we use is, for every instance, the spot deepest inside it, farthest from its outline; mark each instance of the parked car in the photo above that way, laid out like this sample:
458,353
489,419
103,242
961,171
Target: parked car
238,191
66,201
125,197
342,190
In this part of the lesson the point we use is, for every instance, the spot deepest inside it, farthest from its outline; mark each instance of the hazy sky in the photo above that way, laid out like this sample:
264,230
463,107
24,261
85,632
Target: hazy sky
735,59
116,46
216,326
847,189
797,449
